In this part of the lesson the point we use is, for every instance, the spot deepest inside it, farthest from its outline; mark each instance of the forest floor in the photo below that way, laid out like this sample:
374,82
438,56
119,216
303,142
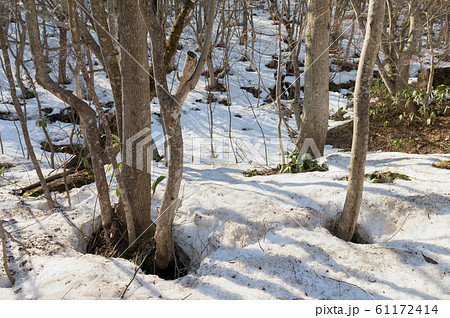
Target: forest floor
263,237
388,133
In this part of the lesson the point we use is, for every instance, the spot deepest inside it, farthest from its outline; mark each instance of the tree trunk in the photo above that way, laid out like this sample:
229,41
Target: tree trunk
314,122
92,134
171,114
212,77
164,238
109,139
278,88
17,106
62,56
244,36
110,58
347,222
381,68
136,111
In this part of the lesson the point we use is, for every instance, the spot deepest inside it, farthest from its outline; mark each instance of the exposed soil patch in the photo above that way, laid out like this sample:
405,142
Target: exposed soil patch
441,77
340,115
219,87
67,148
293,166
388,133
66,115
357,238
252,90
224,101
263,172
8,116
346,66
337,87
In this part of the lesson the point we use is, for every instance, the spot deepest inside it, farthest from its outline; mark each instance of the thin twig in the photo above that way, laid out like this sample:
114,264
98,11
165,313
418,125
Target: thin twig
398,229
1,144
15,240
341,281
185,297
72,224
132,278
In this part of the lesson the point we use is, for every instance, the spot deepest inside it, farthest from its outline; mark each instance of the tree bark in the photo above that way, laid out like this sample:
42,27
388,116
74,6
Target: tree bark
62,58
136,109
278,87
109,55
347,222
5,253
314,123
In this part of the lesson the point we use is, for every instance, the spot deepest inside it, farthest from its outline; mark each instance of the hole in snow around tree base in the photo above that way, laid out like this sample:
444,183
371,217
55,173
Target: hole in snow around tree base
142,253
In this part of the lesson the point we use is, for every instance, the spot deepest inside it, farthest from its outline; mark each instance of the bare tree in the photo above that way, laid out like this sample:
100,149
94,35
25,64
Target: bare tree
124,197
22,118
374,27
171,105
136,106
5,253
314,122
397,49
87,114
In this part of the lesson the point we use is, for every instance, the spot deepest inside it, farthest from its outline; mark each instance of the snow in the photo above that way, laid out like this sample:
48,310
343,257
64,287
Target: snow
253,238
263,237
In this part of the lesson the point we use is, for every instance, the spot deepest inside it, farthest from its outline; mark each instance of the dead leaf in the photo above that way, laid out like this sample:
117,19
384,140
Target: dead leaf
429,260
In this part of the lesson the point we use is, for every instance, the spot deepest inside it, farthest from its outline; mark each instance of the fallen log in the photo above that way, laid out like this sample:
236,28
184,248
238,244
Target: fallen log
75,179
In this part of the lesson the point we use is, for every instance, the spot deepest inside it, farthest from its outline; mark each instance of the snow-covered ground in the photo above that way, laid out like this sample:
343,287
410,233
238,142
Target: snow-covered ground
263,237
251,238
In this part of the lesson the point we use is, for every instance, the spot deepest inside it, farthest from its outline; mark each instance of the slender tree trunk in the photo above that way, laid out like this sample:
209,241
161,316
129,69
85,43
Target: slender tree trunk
5,254
171,114
347,222
297,103
88,118
314,122
244,36
381,68
212,77
38,102
432,65
107,43
349,43
22,118
278,88
109,140
62,58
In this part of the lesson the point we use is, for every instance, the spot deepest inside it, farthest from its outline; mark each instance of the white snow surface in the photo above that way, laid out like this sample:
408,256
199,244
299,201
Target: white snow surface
251,238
